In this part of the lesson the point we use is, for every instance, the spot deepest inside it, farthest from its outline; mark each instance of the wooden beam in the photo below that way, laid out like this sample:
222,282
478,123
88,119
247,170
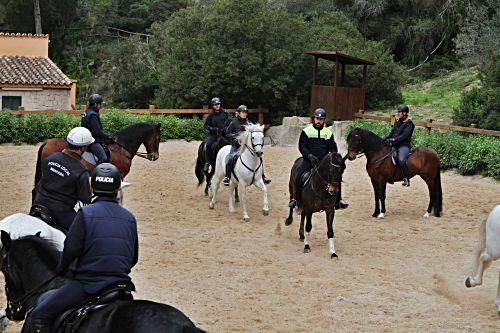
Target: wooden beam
336,72
315,70
342,75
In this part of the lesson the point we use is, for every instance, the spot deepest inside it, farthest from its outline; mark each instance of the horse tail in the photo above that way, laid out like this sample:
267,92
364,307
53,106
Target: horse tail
200,163
438,193
480,246
38,171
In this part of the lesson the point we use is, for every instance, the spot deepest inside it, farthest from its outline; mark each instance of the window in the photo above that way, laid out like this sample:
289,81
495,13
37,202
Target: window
11,102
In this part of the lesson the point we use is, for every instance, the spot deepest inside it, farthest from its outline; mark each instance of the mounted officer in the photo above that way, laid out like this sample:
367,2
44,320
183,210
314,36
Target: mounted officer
216,125
315,142
91,120
400,138
103,242
65,180
236,127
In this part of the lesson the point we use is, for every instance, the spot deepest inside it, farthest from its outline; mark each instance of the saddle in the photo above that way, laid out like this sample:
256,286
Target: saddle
70,320
394,155
43,213
92,159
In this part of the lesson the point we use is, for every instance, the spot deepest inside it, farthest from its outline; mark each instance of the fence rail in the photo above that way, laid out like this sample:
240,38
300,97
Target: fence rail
152,110
429,124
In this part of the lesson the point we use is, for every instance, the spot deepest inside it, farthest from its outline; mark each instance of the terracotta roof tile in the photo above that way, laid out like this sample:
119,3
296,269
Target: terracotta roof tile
31,71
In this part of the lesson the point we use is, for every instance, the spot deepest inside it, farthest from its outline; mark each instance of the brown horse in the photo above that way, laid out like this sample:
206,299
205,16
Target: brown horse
125,146
423,161
319,193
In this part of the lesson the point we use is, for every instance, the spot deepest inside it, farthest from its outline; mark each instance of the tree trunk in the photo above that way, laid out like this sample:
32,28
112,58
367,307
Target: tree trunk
38,17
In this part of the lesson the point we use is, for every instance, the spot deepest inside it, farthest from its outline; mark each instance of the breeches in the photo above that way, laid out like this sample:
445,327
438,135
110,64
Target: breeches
229,159
403,153
98,150
208,147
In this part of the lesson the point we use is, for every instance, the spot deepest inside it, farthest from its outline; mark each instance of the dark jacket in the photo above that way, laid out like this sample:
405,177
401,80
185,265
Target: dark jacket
216,121
236,127
65,179
317,142
103,240
92,121
402,132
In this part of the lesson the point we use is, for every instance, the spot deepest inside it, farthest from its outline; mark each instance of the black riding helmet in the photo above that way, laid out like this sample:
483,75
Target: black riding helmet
105,180
95,98
403,108
320,113
215,100
242,108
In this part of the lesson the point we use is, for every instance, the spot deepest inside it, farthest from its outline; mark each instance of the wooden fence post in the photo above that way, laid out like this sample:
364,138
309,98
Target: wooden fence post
429,121
152,109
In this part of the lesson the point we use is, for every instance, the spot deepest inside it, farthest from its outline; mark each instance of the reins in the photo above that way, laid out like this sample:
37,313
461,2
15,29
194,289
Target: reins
128,154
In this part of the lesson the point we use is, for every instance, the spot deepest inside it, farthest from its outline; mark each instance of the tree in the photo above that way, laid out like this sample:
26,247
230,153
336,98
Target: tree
38,17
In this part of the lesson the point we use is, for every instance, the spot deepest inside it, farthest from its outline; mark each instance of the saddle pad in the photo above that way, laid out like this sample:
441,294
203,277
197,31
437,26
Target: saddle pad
89,157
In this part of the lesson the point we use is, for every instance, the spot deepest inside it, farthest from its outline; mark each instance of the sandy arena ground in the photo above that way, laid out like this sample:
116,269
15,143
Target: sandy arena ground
401,274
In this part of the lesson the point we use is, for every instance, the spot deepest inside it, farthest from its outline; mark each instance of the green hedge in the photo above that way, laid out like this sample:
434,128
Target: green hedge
39,127
469,154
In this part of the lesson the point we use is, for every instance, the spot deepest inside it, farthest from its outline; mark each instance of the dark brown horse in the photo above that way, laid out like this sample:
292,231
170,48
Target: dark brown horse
423,161
319,193
125,146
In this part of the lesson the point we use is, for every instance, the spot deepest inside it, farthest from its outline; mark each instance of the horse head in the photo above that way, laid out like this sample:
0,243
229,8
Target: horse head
354,143
252,139
152,142
333,167
146,133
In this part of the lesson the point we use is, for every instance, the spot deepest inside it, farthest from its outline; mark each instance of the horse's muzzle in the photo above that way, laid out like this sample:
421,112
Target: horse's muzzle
351,156
259,153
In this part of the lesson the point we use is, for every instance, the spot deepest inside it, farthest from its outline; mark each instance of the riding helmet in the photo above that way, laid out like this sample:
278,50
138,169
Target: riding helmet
242,108
105,180
215,100
320,113
79,137
402,108
95,98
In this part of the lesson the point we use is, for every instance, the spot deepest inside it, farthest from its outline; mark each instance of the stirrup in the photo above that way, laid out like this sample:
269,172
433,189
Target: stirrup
406,182
226,181
292,203
341,204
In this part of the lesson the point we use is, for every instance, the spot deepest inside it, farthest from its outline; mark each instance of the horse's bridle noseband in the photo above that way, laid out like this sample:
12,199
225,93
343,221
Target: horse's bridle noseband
252,149
326,183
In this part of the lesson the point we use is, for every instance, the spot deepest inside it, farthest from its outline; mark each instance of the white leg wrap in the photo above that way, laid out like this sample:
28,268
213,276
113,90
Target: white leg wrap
332,247
306,238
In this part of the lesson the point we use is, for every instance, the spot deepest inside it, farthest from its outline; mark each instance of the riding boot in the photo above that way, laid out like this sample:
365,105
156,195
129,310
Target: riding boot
40,326
229,170
406,179
340,203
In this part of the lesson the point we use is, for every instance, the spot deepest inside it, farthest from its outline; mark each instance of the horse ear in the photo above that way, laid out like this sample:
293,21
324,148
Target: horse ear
6,240
158,125
38,234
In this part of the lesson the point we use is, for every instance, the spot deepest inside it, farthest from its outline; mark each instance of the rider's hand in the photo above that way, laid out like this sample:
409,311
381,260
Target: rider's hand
314,160
389,141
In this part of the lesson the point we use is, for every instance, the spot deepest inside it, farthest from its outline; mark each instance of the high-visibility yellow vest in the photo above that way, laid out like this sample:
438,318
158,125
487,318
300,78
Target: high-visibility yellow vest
312,133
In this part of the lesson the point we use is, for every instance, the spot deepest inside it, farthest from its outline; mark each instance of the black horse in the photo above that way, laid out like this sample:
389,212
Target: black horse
29,268
200,163
319,193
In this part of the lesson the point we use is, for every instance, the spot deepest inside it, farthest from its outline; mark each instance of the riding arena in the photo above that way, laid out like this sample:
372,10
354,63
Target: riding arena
400,273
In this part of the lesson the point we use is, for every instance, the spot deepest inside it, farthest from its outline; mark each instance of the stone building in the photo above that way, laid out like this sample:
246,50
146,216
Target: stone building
29,79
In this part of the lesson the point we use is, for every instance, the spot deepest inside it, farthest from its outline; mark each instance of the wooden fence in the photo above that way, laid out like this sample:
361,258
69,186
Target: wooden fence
152,110
429,124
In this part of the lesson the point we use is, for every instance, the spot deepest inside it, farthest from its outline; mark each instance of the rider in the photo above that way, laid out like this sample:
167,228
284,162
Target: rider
400,138
103,242
315,142
65,180
235,127
92,120
216,126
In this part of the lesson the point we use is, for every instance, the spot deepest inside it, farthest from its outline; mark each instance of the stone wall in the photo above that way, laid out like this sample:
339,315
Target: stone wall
43,99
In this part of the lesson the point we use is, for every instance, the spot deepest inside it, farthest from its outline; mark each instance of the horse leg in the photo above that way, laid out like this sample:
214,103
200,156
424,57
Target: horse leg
497,301
236,197
330,215
376,192
430,186
307,247
477,280
382,200
4,322
260,184
214,188
232,186
301,227
244,195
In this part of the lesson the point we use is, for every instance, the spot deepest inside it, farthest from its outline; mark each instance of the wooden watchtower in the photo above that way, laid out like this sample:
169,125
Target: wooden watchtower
339,101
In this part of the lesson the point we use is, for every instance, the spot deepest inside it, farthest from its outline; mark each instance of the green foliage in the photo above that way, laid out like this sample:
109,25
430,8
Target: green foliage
39,127
469,154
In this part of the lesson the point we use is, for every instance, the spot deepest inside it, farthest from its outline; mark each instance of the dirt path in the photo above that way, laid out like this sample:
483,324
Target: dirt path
401,274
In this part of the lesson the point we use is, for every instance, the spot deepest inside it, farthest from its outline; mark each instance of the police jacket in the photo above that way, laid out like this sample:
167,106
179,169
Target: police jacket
402,132
103,241
317,142
65,179
236,127
216,120
92,121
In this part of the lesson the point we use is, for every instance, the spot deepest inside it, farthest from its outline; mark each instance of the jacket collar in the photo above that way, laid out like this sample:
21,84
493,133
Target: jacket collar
110,199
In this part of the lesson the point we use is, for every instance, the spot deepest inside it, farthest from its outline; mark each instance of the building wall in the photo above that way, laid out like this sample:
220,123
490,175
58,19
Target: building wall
24,45
43,99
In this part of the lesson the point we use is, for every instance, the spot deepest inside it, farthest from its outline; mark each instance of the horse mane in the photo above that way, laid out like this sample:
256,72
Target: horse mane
371,141
47,250
242,137
126,133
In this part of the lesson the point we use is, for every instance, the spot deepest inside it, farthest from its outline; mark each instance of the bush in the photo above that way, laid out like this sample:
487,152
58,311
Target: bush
34,128
468,153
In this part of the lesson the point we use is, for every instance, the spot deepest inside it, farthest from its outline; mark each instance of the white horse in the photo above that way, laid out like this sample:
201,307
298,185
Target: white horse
487,250
247,169
19,225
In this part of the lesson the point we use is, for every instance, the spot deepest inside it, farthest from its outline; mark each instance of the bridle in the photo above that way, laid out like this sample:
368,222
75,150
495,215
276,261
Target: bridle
326,183
254,145
128,154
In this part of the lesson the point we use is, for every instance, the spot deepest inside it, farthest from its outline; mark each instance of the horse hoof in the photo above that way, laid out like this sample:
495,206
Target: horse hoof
437,214
375,214
211,206
307,249
334,255
467,283
265,212
381,216
289,221
426,215
232,210
237,204
246,219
